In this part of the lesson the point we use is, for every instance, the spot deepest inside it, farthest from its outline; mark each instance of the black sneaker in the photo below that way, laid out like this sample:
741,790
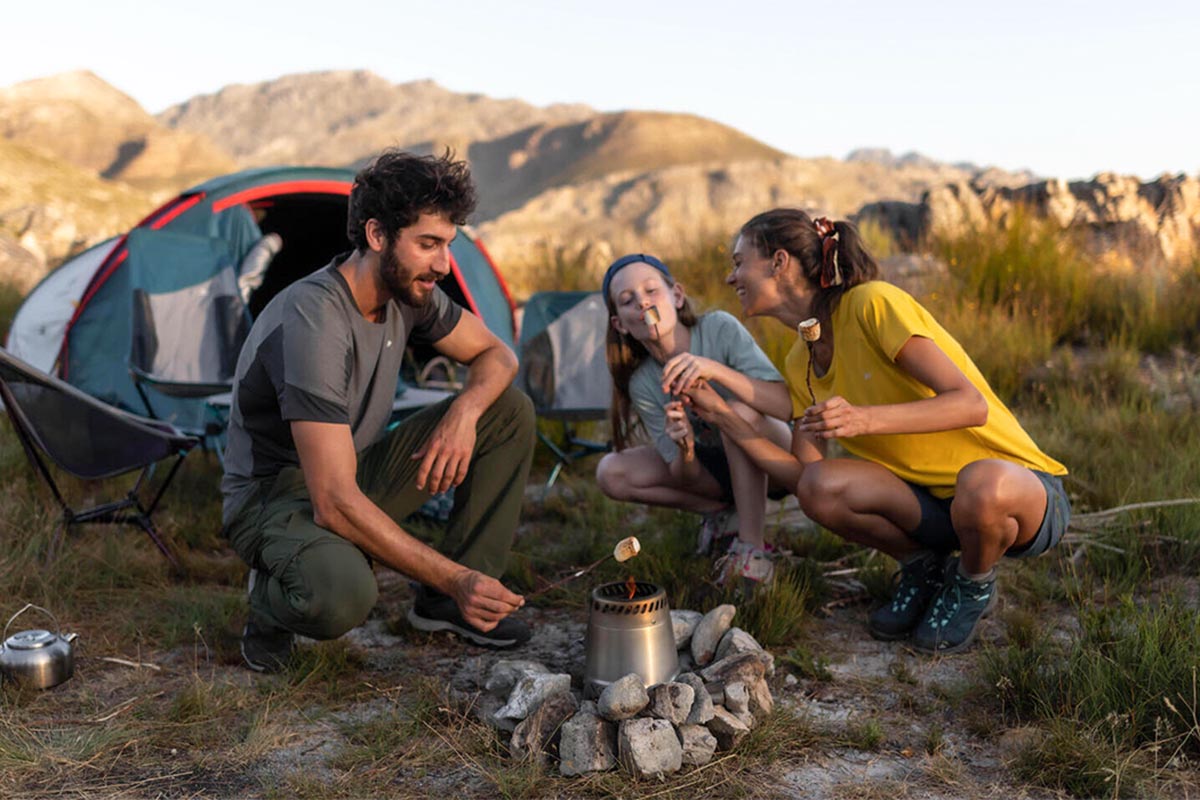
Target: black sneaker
265,648
920,580
438,612
953,617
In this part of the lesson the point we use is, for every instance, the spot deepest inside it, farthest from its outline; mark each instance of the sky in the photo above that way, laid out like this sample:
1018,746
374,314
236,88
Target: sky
1065,89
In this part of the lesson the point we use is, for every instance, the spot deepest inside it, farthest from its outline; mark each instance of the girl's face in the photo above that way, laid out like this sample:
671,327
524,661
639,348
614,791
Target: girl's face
753,278
638,288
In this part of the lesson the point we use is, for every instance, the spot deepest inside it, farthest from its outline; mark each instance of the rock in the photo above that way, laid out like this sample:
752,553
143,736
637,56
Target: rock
505,673
538,733
485,707
686,662
708,633
683,623
728,729
761,701
747,668
702,704
672,702
790,679
649,748
698,744
623,698
746,718
737,699
587,744
736,641
530,691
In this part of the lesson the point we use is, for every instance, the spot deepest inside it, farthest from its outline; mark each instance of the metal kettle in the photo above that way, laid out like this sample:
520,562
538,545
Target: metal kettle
38,658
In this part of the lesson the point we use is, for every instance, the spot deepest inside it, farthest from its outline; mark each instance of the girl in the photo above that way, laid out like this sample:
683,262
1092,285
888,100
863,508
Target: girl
941,464
656,347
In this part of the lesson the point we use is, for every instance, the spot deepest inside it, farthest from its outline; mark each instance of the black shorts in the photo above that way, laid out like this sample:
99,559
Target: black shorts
936,531
712,458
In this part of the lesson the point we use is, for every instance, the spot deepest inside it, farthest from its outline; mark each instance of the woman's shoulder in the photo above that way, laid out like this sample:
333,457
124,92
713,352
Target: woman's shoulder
870,293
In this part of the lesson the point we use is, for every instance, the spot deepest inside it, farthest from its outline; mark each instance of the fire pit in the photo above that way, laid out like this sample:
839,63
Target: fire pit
629,630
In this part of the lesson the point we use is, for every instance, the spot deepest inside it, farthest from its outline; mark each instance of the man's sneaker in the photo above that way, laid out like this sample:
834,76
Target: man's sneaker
438,612
265,648
951,621
747,563
919,582
714,526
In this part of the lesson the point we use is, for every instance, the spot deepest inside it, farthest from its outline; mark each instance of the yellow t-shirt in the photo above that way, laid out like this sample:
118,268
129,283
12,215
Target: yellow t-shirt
870,325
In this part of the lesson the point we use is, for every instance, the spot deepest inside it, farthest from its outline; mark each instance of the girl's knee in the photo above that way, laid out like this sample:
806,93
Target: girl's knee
610,476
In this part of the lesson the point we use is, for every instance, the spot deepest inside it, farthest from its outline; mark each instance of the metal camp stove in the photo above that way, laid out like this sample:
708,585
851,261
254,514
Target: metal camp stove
629,634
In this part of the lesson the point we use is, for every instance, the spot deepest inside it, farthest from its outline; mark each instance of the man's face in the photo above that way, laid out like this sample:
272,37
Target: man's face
417,258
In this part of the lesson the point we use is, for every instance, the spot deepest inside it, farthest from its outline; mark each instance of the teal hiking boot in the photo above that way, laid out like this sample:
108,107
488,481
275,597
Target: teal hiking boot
919,581
953,617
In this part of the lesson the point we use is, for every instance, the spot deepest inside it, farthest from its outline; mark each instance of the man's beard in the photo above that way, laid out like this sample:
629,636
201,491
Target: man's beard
405,292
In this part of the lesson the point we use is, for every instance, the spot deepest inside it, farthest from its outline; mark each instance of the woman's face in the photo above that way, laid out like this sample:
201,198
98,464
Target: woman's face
753,278
635,290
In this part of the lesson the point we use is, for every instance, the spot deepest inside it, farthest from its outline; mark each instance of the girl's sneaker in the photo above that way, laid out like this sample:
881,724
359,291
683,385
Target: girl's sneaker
714,526
747,563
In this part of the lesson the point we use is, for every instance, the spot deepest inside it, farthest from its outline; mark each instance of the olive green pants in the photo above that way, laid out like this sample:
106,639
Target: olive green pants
313,582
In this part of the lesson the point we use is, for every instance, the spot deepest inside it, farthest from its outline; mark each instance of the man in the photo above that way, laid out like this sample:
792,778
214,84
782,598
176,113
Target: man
315,487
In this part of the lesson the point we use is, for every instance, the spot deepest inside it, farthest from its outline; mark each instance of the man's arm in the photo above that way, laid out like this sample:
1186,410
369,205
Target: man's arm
491,367
329,463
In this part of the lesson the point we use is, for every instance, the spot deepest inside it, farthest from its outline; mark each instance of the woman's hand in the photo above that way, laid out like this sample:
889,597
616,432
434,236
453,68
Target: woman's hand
682,371
709,405
679,429
834,418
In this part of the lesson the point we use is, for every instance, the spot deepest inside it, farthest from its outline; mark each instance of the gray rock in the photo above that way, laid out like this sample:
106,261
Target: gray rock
649,748
588,744
505,673
683,623
790,679
737,699
761,701
623,698
538,733
485,708
530,691
747,668
728,729
686,662
702,704
709,631
672,702
698,744
737,641
746,718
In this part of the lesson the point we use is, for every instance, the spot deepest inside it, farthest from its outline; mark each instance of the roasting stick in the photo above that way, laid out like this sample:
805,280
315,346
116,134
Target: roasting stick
626,549
810,332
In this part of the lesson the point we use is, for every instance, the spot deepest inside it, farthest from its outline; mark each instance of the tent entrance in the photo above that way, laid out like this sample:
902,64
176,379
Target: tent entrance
313,229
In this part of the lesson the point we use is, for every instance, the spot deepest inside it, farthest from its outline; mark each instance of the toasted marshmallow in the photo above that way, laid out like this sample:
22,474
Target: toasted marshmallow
810,329
650,316
627,548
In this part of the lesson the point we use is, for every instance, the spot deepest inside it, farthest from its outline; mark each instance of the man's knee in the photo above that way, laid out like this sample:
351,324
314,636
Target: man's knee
341,589
516,409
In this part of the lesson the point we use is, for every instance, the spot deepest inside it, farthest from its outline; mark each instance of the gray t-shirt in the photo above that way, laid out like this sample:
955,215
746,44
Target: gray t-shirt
311,355
716,335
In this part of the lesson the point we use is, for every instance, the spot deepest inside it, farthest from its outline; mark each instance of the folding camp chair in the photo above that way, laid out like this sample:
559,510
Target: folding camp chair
563,369
90,440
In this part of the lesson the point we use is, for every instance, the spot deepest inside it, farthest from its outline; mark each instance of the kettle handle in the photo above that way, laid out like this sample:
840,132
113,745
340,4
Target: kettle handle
57,627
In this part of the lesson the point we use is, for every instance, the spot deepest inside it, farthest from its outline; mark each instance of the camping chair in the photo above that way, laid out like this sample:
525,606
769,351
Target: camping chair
188,326
563,371
90,440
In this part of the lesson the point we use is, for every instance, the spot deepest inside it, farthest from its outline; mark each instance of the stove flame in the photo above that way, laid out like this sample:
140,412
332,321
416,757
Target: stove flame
631,587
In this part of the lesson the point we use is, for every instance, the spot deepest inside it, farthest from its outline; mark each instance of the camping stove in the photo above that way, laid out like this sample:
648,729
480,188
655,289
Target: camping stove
627,635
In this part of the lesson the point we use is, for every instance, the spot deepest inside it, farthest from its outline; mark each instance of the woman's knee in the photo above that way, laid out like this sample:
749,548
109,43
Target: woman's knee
978,494
819,492
341,589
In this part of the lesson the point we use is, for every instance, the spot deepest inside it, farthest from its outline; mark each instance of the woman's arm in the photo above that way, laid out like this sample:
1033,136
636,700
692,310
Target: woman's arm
766,397
955,404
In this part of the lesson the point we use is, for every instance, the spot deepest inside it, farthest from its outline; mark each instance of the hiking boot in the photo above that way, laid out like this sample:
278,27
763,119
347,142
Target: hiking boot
265,648
920,579
952,619
714,526
438,612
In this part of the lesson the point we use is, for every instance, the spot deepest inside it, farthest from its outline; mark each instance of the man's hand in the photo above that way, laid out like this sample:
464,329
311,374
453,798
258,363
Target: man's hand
446,456
834,418
482,600
679,429
682,372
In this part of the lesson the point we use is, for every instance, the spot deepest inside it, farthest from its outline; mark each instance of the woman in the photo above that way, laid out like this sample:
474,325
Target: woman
941,465
656,345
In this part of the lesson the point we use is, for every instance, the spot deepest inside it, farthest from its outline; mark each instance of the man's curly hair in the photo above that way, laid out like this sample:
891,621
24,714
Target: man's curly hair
397,187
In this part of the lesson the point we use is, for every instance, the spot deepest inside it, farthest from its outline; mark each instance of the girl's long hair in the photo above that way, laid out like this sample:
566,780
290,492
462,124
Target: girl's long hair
792,230
624,354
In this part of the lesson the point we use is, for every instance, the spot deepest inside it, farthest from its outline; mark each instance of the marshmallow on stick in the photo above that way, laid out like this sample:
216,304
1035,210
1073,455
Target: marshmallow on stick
627,548
810,329
650,316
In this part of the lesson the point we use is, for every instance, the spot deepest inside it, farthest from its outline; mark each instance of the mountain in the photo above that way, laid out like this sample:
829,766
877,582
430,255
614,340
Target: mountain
86,122
342,117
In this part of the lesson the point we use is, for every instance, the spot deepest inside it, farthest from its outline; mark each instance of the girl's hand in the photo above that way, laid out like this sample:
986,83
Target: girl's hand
679,429
708,404
682,371
834,418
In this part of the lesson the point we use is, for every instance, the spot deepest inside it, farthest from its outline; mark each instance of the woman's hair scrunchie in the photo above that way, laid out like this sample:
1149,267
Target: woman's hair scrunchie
831,271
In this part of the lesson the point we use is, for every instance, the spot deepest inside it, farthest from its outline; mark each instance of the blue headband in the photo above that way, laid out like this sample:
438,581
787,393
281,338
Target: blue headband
625,261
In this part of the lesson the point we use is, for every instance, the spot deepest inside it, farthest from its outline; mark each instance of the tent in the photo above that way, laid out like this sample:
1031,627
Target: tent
77,322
